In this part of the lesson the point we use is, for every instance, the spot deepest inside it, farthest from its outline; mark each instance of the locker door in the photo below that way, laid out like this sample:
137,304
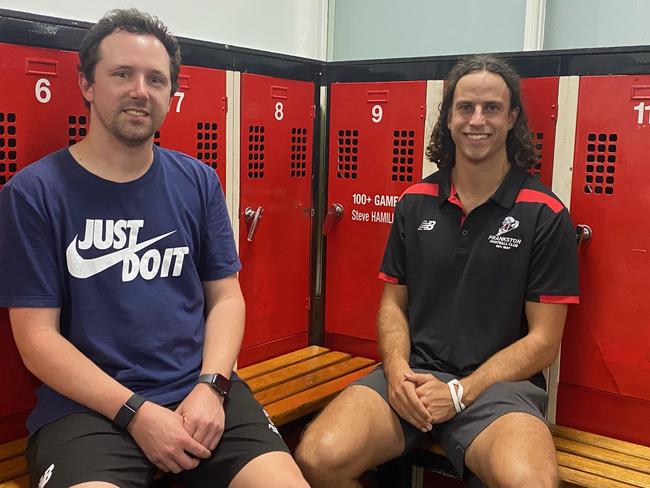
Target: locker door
275,213
375,153
606,349
41,110
540,101
196,121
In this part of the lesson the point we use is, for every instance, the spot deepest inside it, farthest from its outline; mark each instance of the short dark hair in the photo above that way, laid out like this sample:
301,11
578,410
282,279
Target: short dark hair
134,21
519,146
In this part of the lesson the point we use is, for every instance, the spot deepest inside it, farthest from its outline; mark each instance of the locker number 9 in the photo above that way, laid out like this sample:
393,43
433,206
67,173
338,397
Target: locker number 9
41,90
279,114
377,113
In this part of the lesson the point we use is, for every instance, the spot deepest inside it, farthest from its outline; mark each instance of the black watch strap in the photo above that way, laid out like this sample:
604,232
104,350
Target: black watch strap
126,413
217,381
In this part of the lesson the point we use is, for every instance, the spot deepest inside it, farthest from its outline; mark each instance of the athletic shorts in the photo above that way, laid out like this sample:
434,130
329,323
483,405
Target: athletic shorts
458,432
86,446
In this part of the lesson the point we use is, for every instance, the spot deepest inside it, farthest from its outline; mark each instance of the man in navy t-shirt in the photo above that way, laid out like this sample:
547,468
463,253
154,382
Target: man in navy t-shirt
118,265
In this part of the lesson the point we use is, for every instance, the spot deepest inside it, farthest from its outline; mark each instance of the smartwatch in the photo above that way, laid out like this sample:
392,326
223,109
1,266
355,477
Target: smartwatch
217,381
126,413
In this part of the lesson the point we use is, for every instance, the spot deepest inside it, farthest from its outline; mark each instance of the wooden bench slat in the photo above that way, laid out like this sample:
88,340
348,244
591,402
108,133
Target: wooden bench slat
281,361
634,478
13,448
309,401
22,482
573,477
599,454
310,380
13,468
296,370
624,447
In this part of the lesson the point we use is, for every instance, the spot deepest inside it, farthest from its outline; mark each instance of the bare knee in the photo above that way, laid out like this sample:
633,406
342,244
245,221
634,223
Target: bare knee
527,474
321,454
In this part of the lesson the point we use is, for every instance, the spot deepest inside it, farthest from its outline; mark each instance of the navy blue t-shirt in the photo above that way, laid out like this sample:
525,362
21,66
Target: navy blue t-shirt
123,261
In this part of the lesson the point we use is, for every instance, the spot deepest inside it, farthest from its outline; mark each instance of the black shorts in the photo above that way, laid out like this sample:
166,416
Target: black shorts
458,432
88,447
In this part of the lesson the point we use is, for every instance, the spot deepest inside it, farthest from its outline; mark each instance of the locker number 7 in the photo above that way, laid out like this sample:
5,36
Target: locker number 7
180,96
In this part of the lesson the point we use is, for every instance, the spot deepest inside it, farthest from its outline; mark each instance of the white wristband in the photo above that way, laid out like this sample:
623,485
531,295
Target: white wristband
456,396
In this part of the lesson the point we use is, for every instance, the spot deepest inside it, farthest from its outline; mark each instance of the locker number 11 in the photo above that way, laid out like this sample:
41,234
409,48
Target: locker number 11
642,107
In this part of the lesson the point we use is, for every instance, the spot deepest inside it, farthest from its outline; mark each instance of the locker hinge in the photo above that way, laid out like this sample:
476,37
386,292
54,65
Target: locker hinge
313,110
554,112
224,105
308,303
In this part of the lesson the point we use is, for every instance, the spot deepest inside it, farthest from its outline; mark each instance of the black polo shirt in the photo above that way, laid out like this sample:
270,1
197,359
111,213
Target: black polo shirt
468,277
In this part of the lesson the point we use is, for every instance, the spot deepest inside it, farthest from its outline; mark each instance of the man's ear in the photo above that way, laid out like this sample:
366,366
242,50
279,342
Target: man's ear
86,88
514,113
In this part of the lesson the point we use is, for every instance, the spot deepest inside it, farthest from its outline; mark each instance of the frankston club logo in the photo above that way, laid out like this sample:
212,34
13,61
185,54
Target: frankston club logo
121,236
500,241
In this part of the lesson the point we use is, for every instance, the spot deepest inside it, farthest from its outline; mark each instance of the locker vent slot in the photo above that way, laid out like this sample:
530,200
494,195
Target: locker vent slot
348,147
403,150
8,164
156,138
601,163
77,128
538,145
255,152
298,152
206,143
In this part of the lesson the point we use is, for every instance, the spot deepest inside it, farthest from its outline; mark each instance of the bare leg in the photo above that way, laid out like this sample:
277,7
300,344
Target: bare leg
270,470
513,451
357,431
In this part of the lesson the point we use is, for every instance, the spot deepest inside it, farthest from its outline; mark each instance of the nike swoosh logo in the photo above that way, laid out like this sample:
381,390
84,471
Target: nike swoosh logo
85,268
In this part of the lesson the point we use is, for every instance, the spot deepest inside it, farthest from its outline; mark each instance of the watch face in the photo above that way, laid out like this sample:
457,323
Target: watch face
221,384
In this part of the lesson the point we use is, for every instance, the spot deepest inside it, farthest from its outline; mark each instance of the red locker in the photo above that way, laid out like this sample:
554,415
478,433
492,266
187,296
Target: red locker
196,121
606,350
41,110
539,96
275,213
375,153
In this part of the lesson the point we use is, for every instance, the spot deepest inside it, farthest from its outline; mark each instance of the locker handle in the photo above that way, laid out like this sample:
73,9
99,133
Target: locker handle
334,213
252,217
583,234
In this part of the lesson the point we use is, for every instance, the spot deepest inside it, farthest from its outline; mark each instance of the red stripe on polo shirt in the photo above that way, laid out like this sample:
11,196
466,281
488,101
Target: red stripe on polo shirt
558,299
535,196
430,189
388,279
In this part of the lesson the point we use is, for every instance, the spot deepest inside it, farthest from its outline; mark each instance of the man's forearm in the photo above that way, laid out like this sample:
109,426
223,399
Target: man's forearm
517,362
224,331
392,330
61,366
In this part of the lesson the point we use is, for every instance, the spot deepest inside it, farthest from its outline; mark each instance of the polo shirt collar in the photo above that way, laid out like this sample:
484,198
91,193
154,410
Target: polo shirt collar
505,195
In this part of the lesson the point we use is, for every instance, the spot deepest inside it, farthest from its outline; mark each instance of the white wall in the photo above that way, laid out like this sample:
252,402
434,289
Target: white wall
294,27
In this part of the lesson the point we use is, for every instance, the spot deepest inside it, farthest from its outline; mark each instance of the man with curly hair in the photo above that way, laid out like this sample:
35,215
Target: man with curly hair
119,268
479,268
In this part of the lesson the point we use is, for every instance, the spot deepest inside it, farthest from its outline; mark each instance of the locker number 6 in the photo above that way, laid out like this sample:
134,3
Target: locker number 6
42,91
279,114
377,113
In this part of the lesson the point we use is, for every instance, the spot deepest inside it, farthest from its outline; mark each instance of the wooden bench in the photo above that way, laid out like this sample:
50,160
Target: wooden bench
586,460
289,387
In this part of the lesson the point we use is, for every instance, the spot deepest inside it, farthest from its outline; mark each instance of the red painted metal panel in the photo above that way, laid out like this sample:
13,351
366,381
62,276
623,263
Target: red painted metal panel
539,96
41,110
604,413
606,345
276,153
375,153
268,350
196,121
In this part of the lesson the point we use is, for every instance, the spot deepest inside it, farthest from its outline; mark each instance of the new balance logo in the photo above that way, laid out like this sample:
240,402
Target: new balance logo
427,225
107,234
46,476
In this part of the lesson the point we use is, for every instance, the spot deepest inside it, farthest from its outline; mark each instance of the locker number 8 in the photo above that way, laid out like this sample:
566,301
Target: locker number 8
41,90
279,114
377,113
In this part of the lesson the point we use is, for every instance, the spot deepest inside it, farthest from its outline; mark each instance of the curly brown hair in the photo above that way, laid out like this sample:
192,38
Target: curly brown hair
134,21
519,145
